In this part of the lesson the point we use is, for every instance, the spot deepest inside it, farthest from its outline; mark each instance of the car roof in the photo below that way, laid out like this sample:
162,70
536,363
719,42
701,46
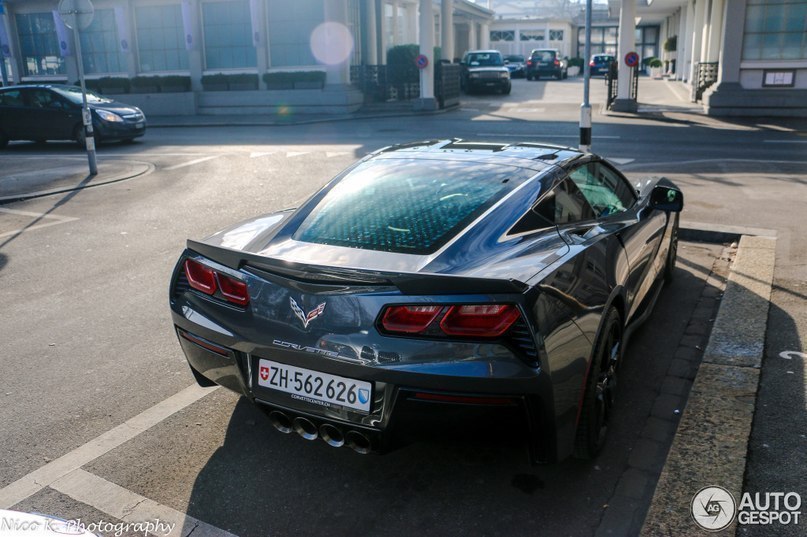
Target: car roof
535,156
483,51
40,86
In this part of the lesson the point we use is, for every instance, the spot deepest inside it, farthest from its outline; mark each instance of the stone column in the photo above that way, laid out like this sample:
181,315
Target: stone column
396,26
473,43
732,42
697,39
715,31
370,33
195,58
447,29
427,100
627,42
383,41
681,44
339,74
261,41
484,38
15,60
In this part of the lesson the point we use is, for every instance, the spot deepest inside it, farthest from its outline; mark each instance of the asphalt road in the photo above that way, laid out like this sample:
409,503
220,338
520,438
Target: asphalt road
87,341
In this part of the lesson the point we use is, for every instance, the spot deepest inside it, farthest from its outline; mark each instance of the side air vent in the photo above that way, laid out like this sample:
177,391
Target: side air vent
522,339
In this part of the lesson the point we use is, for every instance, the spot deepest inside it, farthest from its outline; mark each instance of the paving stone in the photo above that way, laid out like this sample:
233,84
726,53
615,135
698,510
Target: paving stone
647,455
634,484
682,368
703,312
676,386
691,341
659,430
619,519
688,353
698,328
665,405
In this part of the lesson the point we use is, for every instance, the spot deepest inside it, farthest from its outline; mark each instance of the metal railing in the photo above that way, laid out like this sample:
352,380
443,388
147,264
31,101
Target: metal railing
706,76
395,83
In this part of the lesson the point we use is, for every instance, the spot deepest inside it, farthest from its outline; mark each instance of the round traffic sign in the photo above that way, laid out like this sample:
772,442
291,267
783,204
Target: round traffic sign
76,13
422,61
631,59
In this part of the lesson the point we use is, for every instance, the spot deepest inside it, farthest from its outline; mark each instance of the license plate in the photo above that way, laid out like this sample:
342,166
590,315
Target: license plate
140,124
315,387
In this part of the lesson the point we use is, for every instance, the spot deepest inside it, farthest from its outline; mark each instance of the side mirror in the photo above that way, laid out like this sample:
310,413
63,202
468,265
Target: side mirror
665,198
507,62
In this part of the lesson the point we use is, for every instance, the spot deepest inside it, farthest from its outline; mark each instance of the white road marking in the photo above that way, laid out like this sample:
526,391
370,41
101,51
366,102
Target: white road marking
128,506
330,154
621,161
54,220
290,154
191,162
788,355
44,476
256,154
543,135
785,141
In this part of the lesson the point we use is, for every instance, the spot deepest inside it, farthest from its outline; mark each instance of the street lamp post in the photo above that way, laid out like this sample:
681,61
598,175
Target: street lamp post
585,108
77,13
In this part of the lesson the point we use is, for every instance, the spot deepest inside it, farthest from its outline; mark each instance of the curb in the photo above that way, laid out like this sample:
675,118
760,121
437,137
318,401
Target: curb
145,169
710,446
716,233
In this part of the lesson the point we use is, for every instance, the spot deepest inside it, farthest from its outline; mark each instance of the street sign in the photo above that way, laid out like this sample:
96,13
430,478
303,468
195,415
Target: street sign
76,14
631,59
422,61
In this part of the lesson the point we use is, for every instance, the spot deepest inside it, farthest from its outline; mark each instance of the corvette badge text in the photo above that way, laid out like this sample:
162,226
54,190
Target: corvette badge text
713,508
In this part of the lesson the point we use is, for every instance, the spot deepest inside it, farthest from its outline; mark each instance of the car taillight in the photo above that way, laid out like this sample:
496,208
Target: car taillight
200,277
208,281
591,63
234,291
474,320
487,320
529,62
557,62
409,319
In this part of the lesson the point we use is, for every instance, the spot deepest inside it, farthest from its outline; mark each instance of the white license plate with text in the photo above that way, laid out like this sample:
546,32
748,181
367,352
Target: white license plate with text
315,387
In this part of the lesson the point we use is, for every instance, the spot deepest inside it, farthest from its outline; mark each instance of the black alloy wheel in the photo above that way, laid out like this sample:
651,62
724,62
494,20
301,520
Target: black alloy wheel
598,399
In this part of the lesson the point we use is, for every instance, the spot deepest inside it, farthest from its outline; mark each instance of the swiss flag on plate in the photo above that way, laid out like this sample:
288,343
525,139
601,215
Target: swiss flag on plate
264,372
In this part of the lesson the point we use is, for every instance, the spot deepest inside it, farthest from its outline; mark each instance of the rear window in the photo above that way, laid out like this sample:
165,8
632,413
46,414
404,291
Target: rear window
484,59
544,55
407,205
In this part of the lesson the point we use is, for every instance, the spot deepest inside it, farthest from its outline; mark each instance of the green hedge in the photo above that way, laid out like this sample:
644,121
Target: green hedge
576,62
231,81
290,78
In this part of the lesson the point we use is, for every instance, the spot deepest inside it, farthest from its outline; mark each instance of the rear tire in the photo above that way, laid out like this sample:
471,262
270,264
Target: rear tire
598,398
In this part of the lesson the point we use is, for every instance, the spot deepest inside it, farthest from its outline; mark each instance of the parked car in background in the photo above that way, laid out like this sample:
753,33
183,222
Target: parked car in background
484,69
44,112
600,63
515,63
546,62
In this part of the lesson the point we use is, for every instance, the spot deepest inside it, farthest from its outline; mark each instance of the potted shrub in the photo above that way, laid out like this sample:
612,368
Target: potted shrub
655,67
175,84
278,81
114,85
145,84
242,81
309,79
575,66
217,82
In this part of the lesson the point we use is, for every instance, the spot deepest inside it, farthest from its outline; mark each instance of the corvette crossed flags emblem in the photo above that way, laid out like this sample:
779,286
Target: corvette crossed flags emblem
306,318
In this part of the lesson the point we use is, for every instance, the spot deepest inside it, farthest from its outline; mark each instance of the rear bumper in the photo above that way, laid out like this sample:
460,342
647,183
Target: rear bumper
407,402
488,83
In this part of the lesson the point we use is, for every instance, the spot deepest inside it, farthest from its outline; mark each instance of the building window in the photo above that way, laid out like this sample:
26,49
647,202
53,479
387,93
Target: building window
556,35
99,44
290,28
502,35
775,30
39,46
160,38
228,35
531,35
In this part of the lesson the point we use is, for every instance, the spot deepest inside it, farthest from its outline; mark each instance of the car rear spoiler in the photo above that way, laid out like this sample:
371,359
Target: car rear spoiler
406,282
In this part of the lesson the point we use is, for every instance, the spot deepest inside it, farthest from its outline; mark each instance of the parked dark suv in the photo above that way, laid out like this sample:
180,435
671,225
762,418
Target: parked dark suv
600,63
546,62
484,69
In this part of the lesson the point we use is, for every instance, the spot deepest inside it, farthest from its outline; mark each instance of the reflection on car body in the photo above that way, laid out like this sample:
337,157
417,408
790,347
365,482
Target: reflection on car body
435,280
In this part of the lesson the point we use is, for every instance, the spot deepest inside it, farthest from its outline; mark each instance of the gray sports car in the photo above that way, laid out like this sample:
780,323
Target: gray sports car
435,281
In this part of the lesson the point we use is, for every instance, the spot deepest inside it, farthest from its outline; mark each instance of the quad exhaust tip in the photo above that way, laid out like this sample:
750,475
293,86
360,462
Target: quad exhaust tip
305,428
332,435
280,421
358,442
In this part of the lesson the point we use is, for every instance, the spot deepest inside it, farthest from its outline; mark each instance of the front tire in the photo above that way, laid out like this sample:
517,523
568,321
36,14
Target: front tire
672,254
598,398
